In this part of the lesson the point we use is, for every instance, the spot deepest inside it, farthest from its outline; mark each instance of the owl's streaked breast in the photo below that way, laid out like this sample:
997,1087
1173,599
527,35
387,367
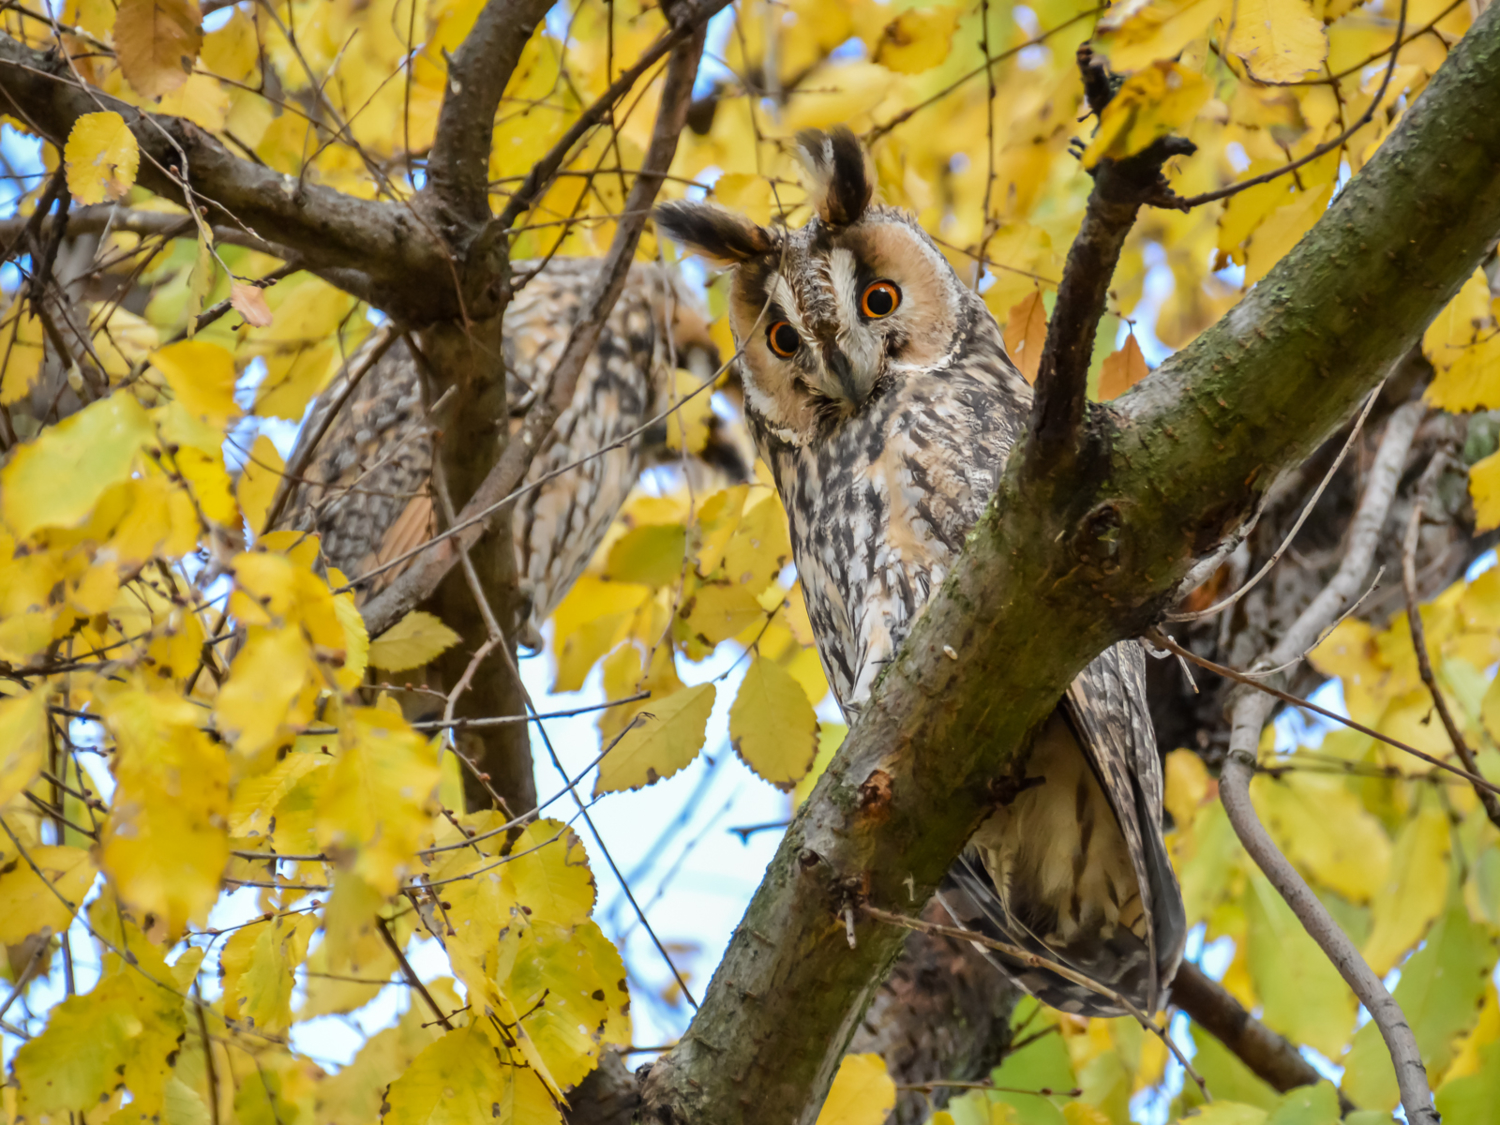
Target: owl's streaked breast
879,509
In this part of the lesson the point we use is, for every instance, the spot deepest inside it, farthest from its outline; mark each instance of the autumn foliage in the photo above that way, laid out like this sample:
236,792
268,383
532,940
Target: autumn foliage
191,705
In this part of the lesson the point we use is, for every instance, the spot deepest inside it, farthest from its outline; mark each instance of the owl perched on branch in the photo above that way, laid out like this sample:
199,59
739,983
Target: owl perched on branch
878,390
367,490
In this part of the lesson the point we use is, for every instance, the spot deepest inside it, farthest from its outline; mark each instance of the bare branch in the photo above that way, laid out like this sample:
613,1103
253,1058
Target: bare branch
1250,711
458,166
424,575
689,20
1486,796
1121,188
377,251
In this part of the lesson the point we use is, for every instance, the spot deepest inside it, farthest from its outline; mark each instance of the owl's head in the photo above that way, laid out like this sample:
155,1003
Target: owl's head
832,316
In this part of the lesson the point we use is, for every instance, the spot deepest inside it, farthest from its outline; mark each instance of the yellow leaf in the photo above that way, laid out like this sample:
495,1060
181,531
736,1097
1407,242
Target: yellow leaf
651,554
1484,487
550,870
415,640
1460,323
458,1080
1122,370
760,546
555,982
1136,33
772,725
266,676
1471,381
165,844
1412,893
1026,334
1279,40
1161,99
718,611
28,906
23,742
1325,830
232,51
21,351
862,1093
751,196
259,480
836,94
716,521
55,480
256,798
102,157
687,426
1282,229
258,966
668,739
157,42
917,40
129,1027
375,808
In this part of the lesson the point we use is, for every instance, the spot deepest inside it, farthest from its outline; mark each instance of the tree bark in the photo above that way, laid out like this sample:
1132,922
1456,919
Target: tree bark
1079,559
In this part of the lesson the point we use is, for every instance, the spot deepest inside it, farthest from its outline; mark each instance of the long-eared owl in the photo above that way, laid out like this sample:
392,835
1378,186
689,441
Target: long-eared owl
878,391
366,489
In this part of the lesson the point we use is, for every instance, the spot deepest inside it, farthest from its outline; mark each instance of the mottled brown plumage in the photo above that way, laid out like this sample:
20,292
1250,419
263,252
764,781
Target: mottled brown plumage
879,392
368,493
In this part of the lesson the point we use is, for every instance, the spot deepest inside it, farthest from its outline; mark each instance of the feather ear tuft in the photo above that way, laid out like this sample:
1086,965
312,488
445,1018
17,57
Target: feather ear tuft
839,179
722,237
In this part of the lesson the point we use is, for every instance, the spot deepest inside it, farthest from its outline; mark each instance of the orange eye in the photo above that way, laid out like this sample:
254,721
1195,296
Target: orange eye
783,339
880,300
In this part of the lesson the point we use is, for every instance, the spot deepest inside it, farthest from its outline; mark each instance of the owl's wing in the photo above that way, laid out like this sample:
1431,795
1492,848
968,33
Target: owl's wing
366,489
1074,869
1107,704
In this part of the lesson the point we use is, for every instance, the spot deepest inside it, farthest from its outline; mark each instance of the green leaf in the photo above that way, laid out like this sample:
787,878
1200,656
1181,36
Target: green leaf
668,739
1303,995
1471,1100
411,642
1440,991
55,480
1412,894
653,554
1307,1105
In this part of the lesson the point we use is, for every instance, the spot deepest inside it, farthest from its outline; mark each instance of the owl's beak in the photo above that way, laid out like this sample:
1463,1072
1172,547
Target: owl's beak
849,384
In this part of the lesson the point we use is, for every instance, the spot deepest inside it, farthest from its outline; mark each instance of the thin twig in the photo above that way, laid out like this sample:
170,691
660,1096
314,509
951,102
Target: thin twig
1317,495
1249,712
1487,797
407,971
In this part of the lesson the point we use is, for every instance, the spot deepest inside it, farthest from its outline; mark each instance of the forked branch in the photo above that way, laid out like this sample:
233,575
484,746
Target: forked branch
423,576
1121,188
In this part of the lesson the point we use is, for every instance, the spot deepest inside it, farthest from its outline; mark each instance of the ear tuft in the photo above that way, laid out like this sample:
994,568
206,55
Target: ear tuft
839,178
720,236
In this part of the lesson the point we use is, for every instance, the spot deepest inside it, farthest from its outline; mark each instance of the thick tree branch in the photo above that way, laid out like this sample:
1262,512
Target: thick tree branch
1063,565
424,575
380,251
458,166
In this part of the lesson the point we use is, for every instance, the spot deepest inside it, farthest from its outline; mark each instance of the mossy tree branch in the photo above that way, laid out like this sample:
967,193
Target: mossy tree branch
1077,559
